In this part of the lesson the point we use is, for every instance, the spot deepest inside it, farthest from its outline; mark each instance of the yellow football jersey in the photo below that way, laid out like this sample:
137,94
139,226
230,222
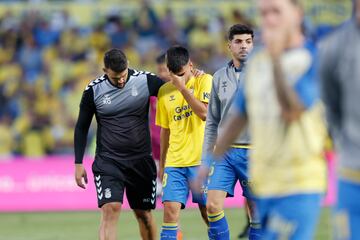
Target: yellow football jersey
287,158
186,128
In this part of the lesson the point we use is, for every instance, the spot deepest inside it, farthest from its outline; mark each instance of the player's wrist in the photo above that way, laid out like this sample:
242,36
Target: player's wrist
182,89
276,59
209,160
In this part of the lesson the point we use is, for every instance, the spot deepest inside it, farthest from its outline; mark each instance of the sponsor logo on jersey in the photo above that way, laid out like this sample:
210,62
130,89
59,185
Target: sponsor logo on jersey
134,91
106,99
206,95
182,112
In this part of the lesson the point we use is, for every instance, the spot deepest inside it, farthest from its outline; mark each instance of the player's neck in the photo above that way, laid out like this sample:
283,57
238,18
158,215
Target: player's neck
237,64
188,79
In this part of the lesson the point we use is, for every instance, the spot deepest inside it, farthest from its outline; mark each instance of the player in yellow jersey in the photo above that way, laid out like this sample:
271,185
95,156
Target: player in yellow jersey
181,114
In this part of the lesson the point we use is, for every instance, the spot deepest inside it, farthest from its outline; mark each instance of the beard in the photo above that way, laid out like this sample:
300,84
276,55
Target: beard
242,57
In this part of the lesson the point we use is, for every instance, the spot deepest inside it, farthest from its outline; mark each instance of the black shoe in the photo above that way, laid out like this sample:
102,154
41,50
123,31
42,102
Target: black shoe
245,232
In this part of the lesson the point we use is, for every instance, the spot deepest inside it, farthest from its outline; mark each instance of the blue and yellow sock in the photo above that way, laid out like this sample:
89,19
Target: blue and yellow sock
255,231
218,229
169,231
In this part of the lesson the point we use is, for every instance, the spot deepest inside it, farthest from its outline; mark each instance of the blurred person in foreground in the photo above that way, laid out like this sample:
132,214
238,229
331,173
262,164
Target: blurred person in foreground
340,78
181,114
224,174
119,99
280,102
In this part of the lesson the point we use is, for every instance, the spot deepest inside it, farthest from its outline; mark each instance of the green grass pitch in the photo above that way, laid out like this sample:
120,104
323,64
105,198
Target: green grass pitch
84,225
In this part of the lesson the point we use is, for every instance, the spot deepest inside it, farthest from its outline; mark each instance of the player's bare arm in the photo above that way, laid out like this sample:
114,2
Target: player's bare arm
291,106
276,43
199,108
164,146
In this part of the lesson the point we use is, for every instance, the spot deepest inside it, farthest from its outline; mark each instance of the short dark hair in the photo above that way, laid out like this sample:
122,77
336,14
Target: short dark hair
176,58
115,60
161,59
239,29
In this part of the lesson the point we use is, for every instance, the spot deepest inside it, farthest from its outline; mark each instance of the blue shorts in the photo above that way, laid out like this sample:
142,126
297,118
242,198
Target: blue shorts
225,173
347,218
176,185
291,217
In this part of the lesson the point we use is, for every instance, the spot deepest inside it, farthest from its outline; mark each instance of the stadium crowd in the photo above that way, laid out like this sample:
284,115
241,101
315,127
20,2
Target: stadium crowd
47,60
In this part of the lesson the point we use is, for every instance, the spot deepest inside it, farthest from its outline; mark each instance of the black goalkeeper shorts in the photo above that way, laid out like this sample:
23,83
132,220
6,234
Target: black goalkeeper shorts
136,177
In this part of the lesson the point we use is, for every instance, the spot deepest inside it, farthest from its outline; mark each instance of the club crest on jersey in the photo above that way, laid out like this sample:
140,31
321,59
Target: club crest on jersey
107,193
172,98
106,99
134,91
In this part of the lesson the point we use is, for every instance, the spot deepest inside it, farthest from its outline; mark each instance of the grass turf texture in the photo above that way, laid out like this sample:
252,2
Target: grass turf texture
84,225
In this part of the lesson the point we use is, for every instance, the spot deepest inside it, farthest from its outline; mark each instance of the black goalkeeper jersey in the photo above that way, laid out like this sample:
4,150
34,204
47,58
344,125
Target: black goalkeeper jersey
121,114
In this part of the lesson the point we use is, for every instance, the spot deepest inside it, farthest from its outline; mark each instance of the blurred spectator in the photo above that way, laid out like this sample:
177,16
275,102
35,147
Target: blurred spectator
217,29
30,59
8,21
45,36
119,36
239,17
146,26
61,20
190,24
6,138
199,37
169,29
